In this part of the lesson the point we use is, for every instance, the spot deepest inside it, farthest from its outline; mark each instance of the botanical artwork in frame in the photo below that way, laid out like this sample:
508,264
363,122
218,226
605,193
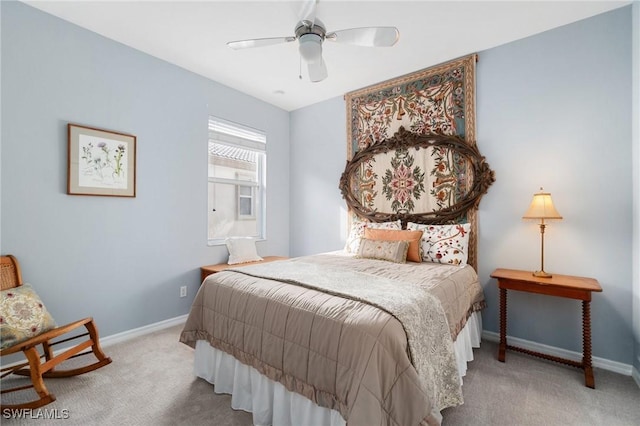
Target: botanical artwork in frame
438,100
100,162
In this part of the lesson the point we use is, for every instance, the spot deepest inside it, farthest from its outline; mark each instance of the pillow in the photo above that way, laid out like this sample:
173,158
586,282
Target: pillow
22,316
413,237
392,251
444,243
242,250
357,232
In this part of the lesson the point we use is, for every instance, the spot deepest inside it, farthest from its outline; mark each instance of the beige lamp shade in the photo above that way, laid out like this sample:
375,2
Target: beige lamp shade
542,207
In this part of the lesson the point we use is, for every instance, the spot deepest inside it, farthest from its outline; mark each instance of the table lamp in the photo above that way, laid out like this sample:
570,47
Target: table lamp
542,208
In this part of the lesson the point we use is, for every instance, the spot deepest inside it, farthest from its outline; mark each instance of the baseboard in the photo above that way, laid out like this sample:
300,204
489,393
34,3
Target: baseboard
141,331
636,376
122,337
605,364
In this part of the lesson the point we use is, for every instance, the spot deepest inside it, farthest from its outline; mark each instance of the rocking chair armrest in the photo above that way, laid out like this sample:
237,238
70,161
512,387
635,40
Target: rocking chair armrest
46,336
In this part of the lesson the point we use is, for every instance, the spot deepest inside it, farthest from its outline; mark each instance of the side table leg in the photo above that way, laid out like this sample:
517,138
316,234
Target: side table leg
503,324
589,381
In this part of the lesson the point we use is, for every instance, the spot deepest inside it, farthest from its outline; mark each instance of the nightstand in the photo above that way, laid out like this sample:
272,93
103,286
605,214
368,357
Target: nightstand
571,287
205,271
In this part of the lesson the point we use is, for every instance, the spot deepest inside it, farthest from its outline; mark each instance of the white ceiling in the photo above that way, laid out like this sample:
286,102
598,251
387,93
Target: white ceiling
193,35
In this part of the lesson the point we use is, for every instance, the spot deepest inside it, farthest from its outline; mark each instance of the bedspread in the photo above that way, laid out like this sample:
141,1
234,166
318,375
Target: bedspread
375,343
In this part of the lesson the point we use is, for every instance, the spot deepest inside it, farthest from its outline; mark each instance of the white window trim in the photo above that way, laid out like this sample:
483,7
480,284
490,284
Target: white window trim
251,197
254,187
233,134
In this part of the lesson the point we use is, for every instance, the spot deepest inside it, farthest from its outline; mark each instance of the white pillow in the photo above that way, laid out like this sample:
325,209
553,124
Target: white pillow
357,232
242,250
444,243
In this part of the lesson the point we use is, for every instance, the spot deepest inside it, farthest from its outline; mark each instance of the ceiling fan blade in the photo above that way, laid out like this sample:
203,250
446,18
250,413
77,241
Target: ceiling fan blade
259,42
366,36
308,13
317,71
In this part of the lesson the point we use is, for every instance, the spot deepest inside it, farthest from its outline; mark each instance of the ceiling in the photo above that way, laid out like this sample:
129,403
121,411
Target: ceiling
193,35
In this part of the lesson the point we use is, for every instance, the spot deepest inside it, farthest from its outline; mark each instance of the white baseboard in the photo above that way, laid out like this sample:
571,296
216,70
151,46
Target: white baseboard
124,336
605,364
141,331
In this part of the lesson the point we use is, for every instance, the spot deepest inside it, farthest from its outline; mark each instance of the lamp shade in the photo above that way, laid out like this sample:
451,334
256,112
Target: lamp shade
542,207
310,47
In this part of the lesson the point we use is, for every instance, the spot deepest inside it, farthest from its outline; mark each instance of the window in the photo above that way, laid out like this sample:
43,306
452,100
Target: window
237,162
246,202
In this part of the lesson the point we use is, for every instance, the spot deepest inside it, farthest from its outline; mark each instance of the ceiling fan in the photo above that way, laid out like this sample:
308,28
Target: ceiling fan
310,33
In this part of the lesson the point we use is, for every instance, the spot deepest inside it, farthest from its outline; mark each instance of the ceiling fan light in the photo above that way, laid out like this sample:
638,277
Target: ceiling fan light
310,47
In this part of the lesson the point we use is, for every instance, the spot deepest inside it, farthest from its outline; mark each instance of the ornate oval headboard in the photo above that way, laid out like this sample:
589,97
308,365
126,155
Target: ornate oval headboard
421,178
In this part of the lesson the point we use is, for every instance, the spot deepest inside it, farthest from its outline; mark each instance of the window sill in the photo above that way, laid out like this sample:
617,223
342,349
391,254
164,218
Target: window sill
221,242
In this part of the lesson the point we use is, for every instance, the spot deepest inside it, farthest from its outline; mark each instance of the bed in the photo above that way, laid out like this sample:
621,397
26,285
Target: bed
356,336
343,332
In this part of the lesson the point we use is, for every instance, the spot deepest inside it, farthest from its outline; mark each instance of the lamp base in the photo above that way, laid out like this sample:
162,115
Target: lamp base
541,274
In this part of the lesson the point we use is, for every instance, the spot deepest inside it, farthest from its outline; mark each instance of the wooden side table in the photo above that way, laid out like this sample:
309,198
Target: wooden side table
561,286
205,271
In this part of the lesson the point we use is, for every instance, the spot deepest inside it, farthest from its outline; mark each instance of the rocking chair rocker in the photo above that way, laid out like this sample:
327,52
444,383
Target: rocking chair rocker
42,366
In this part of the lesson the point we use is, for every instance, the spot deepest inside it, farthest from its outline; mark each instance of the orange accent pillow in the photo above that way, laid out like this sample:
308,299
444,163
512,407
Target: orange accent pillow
414,237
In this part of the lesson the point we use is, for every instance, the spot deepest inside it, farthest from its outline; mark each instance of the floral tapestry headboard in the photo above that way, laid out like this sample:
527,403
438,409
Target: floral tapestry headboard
434,180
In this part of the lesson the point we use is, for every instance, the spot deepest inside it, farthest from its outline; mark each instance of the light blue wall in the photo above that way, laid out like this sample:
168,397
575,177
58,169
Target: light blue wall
121,260
552,110
636,186
318,157
0,135
555,110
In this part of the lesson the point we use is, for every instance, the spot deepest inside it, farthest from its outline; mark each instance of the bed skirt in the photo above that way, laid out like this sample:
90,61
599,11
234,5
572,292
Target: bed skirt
272,404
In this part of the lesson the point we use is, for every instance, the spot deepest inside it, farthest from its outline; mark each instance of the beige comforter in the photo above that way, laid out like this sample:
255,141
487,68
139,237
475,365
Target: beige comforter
368,338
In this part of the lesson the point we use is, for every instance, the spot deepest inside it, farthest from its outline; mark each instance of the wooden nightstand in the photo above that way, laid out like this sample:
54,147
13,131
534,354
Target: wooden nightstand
205,271
561,286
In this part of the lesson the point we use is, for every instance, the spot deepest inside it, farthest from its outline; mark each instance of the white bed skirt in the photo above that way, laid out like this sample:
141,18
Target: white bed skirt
272,404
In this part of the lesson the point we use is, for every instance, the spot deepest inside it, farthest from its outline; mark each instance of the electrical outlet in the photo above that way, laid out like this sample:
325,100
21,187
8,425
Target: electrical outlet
183,291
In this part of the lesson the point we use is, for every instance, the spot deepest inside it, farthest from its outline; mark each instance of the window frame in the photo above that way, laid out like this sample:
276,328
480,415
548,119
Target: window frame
236,135
253,187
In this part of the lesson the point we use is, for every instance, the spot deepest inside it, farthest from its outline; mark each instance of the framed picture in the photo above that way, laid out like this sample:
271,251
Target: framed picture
100,162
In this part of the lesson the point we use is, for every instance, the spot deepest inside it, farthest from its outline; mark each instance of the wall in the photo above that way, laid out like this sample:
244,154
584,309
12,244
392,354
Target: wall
553,110
549,120
318,156
120,260
636,186
1,136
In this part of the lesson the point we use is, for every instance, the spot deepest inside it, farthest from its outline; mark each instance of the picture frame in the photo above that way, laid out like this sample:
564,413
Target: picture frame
100,162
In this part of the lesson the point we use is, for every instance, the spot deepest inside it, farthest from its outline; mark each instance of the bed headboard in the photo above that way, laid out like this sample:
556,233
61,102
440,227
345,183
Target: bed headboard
421,178
445,184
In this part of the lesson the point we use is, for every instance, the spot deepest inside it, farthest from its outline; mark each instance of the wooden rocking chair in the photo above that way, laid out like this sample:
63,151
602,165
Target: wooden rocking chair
42,366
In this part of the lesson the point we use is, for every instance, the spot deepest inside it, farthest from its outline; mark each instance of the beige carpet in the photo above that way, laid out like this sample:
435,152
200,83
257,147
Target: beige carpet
150,382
